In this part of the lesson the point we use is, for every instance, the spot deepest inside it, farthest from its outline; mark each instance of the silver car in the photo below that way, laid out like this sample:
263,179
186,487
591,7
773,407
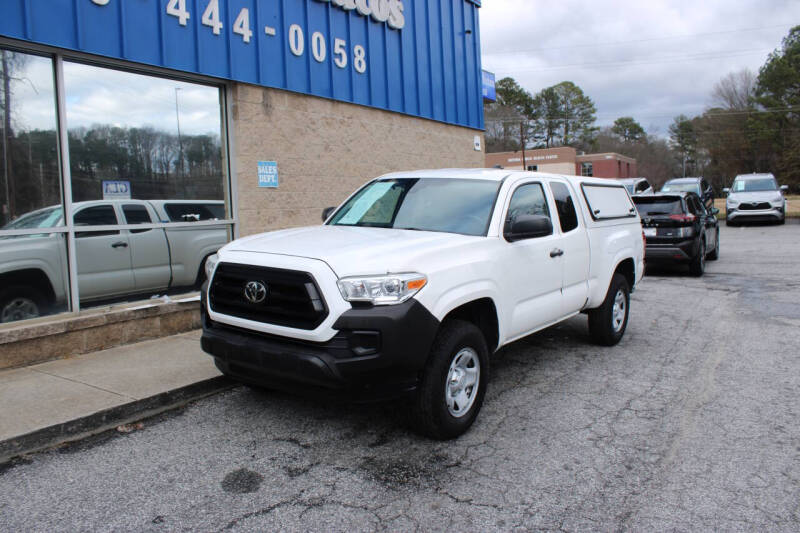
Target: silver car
755,198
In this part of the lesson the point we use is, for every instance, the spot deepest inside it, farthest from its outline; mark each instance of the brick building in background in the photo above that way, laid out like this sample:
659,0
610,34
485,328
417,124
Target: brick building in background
565,160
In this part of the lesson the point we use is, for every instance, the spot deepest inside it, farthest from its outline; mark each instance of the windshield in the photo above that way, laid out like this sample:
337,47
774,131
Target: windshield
751,185
429,204
680,187
629,187
654,206
42,218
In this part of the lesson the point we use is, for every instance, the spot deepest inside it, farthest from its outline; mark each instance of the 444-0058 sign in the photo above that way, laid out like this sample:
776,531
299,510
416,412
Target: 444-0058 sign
389,11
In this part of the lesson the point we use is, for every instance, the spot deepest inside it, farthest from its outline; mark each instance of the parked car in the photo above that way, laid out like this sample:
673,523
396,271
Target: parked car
409,286
114,263
678,228
755,198
697,185
637,185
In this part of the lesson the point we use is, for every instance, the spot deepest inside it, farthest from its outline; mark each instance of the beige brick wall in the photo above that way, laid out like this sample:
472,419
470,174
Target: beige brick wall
327,149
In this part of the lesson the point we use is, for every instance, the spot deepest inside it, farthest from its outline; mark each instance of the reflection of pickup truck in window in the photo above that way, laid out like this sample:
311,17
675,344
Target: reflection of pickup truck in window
415,280
111,263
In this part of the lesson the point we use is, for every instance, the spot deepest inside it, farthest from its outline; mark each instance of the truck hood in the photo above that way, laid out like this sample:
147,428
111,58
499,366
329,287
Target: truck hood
352,251
756,196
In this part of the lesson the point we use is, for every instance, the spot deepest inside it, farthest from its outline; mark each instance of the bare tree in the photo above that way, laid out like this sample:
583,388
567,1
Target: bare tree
735,91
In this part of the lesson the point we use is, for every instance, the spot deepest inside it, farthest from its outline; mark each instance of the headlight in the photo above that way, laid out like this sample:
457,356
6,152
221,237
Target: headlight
211,263
777,200
381,290
731,201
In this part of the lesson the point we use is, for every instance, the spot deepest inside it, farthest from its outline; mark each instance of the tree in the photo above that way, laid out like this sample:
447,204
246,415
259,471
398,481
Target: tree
735,91
562,115
628,130
683,140
778,95
508,118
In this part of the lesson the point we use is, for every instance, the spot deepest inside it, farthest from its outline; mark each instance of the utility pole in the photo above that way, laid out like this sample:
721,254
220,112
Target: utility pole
180,143
522,141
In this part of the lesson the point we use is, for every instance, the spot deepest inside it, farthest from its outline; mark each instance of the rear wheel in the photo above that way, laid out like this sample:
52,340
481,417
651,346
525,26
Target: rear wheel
454,382
607,323
698,264
714,255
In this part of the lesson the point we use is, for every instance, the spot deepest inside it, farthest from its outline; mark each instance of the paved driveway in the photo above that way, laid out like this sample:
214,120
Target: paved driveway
691,423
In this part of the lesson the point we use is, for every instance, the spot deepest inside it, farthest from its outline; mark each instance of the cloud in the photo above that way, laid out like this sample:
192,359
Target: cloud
104,96
651,60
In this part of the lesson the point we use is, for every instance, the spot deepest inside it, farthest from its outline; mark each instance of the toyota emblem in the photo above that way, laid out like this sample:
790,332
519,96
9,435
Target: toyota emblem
255,292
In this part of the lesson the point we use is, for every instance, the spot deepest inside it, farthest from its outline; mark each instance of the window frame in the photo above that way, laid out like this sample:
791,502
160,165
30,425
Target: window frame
57,57
507,207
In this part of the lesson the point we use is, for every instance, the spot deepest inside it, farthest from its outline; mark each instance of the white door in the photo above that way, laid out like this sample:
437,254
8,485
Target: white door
104,258
531,274
575,245
150,255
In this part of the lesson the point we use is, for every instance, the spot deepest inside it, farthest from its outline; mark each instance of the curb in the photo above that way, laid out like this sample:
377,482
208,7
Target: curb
106,419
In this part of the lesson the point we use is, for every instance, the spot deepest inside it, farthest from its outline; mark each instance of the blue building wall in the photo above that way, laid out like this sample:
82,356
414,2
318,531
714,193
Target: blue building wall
431,67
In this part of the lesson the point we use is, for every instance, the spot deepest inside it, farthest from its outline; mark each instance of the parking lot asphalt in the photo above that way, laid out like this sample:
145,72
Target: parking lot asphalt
691,423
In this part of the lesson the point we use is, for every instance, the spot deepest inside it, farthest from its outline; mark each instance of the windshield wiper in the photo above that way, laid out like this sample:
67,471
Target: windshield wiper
414,229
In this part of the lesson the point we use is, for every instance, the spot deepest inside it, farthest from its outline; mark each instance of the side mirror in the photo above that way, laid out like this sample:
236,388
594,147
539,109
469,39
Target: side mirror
714,211
784,188
527,227
326,213
726,190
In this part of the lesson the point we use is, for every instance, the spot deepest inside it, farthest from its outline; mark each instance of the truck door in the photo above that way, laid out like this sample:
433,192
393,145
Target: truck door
150,255
104,259
575,245
531,267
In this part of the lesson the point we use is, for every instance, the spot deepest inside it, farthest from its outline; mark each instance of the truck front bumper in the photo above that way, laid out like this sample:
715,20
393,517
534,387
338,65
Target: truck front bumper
377,353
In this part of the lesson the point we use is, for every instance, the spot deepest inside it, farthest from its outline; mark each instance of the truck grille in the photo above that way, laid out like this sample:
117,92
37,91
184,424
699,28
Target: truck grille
292,297
755,206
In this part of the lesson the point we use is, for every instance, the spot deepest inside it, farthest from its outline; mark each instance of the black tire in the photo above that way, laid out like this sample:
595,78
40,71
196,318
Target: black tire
457,341
21,302
729,222
603,321
697,266
714,254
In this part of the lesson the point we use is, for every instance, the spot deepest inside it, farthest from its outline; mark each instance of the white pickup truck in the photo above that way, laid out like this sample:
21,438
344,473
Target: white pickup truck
111,264
411,284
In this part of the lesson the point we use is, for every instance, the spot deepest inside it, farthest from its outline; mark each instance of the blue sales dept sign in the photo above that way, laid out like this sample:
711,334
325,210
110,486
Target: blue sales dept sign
418,57
268,174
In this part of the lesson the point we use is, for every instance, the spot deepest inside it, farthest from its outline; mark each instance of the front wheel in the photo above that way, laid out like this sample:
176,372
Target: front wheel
21,303
453,384
607,323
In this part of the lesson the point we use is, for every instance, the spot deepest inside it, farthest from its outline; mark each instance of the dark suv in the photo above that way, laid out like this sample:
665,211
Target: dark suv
678,227
697,185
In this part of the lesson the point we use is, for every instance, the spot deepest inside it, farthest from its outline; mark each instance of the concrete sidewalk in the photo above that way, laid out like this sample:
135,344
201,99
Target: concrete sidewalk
67,399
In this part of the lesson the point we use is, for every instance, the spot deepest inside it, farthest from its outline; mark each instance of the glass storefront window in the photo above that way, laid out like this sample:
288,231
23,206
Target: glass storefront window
142,137
29,177
143,150
33,265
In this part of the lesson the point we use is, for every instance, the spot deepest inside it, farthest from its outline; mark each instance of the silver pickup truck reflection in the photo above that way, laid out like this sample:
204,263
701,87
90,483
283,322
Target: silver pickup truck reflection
111,264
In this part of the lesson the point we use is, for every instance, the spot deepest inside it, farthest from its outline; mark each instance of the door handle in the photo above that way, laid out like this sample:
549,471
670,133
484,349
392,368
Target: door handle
556,252
120,244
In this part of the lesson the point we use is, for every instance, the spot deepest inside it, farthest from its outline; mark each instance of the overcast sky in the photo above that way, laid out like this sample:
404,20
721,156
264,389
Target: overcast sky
650,59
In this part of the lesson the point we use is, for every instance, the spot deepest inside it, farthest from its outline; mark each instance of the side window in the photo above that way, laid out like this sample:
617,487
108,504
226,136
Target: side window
191,212
136,214
99,215
567,215
643,186
528,199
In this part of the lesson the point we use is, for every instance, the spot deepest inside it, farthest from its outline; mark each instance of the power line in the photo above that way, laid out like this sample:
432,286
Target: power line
634,41
636,62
